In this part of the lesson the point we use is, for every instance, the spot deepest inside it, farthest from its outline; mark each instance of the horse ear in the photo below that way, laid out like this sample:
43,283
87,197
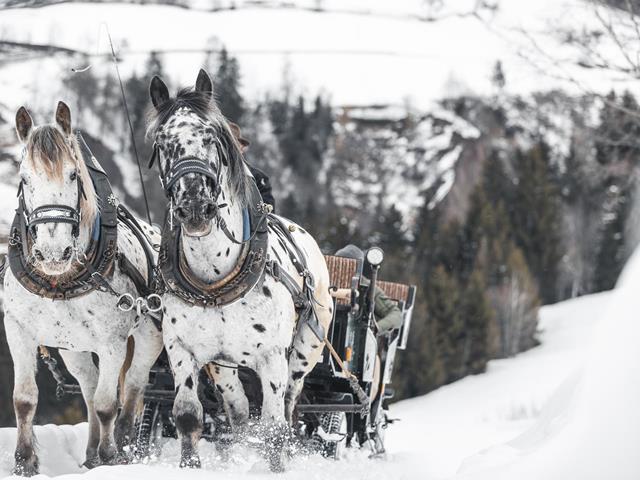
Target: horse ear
204,83
158,91
24,124
63,117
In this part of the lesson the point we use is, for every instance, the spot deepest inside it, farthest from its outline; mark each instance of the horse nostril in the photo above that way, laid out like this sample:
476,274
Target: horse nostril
38,254
66,255
210,210
181,214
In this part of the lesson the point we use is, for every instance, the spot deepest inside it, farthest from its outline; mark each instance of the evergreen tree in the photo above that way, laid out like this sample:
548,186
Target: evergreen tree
477,316
442,304
227,87
85,87
154,66
535,216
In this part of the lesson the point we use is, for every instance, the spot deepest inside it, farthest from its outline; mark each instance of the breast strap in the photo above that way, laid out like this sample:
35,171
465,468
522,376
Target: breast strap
177,278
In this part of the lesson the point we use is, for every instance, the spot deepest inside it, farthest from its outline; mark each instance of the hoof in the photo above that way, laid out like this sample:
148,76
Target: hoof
26,463
276,443
27,468
277,465
109,457
191,462
92,462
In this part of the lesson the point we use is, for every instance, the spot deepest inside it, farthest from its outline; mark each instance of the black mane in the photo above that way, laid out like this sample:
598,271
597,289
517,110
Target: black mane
197,102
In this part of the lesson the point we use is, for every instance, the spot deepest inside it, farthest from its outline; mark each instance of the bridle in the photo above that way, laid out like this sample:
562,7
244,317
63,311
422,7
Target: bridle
52,213
194,164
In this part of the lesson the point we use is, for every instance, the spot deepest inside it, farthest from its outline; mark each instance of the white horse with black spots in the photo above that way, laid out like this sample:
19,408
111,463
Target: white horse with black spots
258,330
55,184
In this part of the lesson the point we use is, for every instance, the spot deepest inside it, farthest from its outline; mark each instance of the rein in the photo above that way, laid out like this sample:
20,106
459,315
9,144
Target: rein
193,164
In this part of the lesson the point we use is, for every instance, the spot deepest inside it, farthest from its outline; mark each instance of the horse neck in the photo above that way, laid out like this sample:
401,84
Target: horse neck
213,256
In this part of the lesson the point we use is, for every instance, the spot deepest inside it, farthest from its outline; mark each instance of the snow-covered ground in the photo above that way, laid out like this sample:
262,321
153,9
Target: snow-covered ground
454,430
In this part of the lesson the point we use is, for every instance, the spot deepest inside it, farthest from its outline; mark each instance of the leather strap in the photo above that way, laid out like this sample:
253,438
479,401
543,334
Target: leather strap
178,278
101,253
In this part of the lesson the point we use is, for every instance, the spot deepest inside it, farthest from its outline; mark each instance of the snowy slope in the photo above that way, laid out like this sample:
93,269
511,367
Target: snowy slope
591,427
433,437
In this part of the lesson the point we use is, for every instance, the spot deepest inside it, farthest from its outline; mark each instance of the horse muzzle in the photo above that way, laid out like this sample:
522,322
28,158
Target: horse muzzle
195,216
53,261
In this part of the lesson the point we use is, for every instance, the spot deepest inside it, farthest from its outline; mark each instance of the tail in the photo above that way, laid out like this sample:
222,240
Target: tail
131,348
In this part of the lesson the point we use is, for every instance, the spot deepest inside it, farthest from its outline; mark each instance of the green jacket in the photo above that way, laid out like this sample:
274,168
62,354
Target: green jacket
386,311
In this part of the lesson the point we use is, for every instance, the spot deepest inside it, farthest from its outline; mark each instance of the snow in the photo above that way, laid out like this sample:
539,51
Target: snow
440,434
591,427
385,57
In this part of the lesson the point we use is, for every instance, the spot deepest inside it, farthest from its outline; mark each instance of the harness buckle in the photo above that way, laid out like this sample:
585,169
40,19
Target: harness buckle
14,239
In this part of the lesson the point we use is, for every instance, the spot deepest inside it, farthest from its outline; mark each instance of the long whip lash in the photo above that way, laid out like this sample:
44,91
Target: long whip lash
126,110
133,137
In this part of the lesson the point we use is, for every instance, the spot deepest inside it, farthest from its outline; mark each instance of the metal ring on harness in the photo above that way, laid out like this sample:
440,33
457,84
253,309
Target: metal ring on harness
156,298
126,302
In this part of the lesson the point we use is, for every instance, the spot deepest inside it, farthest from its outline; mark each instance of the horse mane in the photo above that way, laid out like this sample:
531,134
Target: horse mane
206,108
48,149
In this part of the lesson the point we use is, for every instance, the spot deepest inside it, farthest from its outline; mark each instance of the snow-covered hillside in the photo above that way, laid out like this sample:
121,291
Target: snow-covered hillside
436,433
356,53
386,56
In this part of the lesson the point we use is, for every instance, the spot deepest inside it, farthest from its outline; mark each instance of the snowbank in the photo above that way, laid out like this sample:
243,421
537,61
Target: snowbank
591,427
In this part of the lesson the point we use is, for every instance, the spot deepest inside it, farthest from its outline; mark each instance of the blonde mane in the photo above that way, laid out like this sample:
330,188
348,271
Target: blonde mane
48,149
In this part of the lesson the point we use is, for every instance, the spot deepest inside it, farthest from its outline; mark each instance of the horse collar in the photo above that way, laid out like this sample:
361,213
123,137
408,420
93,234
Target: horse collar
178,278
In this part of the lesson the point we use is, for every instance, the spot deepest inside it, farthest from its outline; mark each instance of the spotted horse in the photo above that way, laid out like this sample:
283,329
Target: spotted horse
243,287
80,268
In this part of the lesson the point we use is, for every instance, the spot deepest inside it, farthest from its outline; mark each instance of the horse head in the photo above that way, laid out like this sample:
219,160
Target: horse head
56,193
199,158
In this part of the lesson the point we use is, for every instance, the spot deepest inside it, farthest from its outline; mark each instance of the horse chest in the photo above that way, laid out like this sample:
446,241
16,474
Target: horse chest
240,333
82,324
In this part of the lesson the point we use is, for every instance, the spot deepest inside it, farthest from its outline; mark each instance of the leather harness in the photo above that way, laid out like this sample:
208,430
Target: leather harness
102,252
179,280
176,277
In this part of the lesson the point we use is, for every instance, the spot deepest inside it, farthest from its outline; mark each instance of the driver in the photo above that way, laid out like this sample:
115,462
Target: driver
386,312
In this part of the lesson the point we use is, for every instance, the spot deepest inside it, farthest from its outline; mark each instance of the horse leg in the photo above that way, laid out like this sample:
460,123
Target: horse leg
147,344
306,352
105,400
272,371
25,397
81,366
187,409
236,403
